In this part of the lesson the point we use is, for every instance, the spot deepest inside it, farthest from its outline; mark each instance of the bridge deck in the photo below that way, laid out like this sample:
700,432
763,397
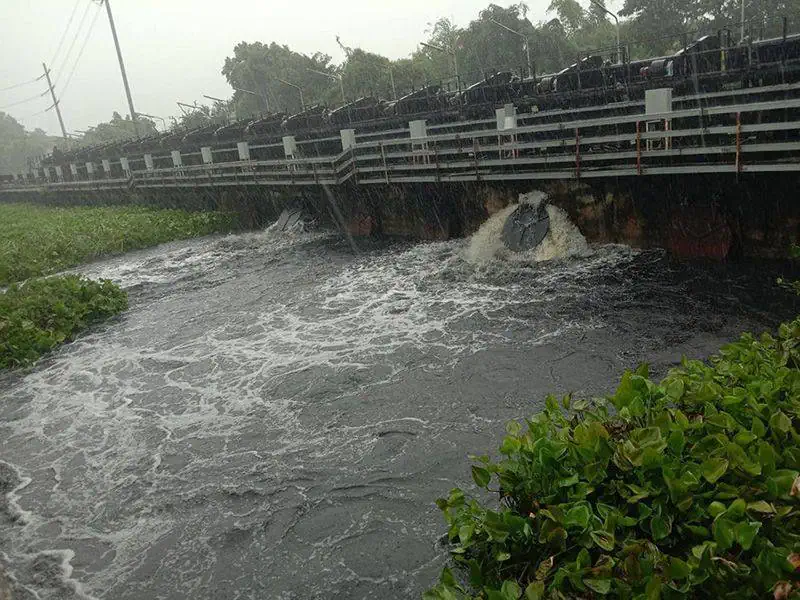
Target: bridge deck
737,131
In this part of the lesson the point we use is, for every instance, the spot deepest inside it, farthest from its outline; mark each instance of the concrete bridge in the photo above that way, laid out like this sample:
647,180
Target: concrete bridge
753,130
707,174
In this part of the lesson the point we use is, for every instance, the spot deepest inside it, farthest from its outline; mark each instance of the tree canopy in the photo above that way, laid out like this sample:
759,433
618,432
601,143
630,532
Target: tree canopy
266,76
117,129
18,147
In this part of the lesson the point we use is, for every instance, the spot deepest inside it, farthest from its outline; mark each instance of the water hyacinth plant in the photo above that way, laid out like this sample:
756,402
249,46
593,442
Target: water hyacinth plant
39,315
39,240
687,488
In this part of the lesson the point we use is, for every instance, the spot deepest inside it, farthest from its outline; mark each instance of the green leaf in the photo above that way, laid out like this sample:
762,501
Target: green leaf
760,506
659,527
724,533
511,445
583,560
578,516
495,526
601,586
716,508
440,592
513,428
569,481
713,468
510,590
675,389
746,533
603,539
447,578
535,591
653,589
502,556
676,442
481,476
698,530
544,569
758,428
780,422
678,569
736,509
465,533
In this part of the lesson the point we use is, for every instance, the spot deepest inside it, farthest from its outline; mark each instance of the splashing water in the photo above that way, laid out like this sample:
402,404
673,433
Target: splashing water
563,240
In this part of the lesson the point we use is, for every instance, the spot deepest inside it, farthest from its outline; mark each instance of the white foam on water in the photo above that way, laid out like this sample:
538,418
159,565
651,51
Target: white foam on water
13,509
563,239
187,373
41,575
178,260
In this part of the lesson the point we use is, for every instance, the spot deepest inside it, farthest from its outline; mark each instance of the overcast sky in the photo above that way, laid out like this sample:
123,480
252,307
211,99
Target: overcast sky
174,49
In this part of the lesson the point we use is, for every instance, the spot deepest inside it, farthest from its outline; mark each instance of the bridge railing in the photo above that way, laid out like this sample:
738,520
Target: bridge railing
734,138
751,129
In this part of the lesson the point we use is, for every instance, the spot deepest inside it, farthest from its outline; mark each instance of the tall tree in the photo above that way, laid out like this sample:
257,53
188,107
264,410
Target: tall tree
118,129
20,148
258,68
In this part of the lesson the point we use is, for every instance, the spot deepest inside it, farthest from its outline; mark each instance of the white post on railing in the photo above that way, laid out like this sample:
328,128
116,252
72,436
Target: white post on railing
208,158
177,161
126,166
348,139
107,167
148,162
73,168
59,173
290,150
90,170
244,155
658,102
419,139
506,129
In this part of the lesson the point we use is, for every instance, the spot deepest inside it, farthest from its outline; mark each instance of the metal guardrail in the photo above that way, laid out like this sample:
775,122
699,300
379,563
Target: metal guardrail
732,136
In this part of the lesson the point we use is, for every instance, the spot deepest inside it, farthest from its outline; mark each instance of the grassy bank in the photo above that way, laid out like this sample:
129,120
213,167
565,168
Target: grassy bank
684,488
37,240
43,313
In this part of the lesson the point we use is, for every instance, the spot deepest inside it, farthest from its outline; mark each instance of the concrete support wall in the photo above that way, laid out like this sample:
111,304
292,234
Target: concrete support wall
699,216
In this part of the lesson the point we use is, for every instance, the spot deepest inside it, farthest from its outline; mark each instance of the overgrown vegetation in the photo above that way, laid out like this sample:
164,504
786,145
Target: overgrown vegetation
37,240
43,313
687,488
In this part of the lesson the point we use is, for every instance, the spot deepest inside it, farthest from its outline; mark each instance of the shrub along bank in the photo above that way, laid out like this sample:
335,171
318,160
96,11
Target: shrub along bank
687,488
39,315
38,240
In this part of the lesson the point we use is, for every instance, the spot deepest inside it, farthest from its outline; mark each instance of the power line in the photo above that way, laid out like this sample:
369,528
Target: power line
37,113
18,102
16,85
64,34
80,53
72,44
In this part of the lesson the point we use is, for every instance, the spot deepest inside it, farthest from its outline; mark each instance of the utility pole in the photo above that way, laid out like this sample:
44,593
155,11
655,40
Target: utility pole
122,67
741,39
616,20
55,102
451,52
525,39
333,78
391,80
298,88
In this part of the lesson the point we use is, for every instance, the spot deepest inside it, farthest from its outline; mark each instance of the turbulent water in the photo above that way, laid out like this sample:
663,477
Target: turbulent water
275,415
